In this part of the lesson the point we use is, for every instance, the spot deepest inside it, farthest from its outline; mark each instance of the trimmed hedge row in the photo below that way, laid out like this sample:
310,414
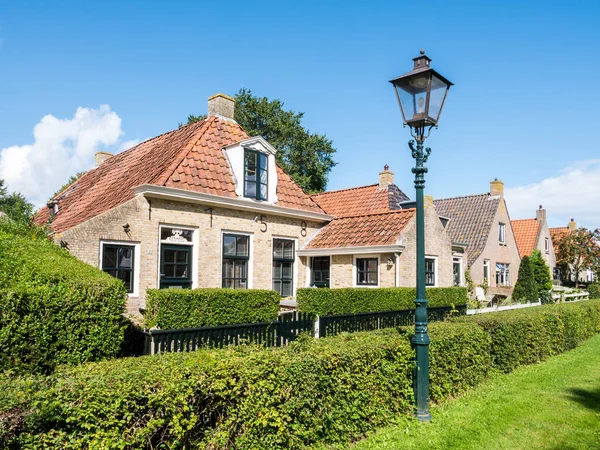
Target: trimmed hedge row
325,301
594,290
54,309
188,308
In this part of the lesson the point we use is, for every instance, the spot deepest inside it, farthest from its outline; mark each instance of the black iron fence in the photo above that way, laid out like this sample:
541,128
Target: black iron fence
283,330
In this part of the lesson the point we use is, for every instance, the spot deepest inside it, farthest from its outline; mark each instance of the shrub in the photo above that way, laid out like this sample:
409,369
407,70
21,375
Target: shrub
54,309
594,290
526,289
187,308
543,279
325,301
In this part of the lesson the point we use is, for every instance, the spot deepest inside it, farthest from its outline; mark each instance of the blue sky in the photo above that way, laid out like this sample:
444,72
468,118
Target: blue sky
524,106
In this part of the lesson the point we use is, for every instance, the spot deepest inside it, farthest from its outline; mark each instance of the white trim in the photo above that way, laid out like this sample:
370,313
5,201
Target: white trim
245,204
295,280
309,261
136,262
396,248
460,270
195,244
250,257
435,269
257,143
354,271
397,268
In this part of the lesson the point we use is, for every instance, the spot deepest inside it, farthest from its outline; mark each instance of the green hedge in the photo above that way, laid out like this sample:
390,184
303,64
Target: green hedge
594,290
324,301
54,309
187,308
532,335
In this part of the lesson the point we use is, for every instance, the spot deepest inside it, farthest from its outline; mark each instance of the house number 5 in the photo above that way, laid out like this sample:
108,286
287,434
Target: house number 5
262,222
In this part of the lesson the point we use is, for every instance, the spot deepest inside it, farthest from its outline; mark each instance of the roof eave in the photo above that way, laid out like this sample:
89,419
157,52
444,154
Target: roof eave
362,250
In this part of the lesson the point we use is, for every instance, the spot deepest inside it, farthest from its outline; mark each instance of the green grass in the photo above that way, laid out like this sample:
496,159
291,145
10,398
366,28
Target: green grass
552,405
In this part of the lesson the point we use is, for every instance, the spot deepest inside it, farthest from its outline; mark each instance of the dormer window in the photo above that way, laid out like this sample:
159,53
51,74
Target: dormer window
256,175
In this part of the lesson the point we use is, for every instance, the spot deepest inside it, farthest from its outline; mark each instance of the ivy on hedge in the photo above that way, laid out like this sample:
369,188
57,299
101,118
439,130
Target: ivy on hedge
188,308
54,309
323,301
594,290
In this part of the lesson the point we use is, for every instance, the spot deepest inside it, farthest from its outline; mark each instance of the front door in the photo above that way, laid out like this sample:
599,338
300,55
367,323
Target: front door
175,266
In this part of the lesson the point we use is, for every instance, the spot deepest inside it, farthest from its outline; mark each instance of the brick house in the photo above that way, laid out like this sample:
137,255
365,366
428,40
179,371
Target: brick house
206,205
586,275
482,223
534,234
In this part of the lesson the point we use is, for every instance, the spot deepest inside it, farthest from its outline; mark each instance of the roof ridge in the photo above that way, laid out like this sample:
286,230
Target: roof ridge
345,189
395,211
463,196
520,220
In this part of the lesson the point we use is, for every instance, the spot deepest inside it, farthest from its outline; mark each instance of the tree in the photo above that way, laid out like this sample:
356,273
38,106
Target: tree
72,179
307,157
14,205
526,289
541,274
578,250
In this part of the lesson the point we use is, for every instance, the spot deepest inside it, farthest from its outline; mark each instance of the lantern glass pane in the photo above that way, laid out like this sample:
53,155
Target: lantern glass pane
412,92
436,99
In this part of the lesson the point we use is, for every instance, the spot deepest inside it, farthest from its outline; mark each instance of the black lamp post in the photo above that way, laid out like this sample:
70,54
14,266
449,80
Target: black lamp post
421,94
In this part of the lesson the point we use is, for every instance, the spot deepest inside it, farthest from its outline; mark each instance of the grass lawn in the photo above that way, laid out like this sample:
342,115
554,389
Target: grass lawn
553,405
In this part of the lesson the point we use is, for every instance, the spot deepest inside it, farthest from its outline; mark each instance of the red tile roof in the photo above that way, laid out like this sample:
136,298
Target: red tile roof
361,231
360,200
190,158
526,234
557,233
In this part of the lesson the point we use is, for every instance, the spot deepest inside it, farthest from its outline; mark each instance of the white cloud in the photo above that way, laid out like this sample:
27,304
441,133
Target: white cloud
61,148
572,193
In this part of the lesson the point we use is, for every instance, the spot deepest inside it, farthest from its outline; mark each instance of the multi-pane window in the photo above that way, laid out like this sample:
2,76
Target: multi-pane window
236,253
429,272
486,270
456,263
283,266
367,270
256,175
320,271
501,233
502,274
117,260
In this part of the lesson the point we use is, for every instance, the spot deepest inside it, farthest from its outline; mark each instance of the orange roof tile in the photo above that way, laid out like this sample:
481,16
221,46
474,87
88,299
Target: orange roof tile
361,231
526,234
190,158
360,200
557,233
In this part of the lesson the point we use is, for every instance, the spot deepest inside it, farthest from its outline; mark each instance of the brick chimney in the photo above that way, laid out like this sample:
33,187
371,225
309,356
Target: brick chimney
428,201
540,215
496,187
100,157
386,177
572,225
221,105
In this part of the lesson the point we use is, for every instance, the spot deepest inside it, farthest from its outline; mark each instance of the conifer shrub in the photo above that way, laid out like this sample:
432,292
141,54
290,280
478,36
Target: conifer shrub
526,289
542,276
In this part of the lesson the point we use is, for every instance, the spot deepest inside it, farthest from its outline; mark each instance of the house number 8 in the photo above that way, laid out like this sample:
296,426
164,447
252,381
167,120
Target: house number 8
303,229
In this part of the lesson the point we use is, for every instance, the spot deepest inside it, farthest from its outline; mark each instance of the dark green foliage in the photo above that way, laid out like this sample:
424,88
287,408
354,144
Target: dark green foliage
327,390
541,274
307,157
529,336
54,309
188,308
15,206
325,301
594,290
526,289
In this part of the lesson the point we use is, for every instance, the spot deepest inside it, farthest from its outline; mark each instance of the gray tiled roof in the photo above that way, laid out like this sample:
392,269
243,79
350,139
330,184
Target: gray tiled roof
471,219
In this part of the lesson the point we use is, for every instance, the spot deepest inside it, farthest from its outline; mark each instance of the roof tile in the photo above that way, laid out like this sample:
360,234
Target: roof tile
526,234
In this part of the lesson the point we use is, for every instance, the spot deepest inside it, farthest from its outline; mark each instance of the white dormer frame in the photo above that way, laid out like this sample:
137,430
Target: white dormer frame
235,157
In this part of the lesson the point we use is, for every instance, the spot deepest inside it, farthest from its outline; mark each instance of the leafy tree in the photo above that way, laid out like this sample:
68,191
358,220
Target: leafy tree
578,250
307,157
526,289
72,179
14,205
541,274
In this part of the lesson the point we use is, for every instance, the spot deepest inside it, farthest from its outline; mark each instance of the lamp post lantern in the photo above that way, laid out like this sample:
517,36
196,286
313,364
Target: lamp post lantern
421,94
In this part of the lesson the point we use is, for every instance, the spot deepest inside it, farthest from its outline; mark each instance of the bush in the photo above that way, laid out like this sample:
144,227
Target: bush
54,309
594,290
526,289
327,390
529,336
543,279
323,301
187,308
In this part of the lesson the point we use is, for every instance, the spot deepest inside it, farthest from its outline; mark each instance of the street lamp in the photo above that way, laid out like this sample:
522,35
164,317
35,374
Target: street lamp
421,94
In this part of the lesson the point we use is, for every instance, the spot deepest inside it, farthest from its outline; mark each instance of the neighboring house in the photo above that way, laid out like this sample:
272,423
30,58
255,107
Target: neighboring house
534,234
201,206
556,234
371,242
482,223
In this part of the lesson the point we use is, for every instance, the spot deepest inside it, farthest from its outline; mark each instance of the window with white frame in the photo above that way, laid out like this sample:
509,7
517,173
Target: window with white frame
456,271
283,266
118,261
547,245
256,175
501,233
367,271
486,270
502,274
236,254
429,272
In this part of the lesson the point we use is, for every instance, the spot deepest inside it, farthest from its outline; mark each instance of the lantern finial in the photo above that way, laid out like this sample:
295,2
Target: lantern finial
422,51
